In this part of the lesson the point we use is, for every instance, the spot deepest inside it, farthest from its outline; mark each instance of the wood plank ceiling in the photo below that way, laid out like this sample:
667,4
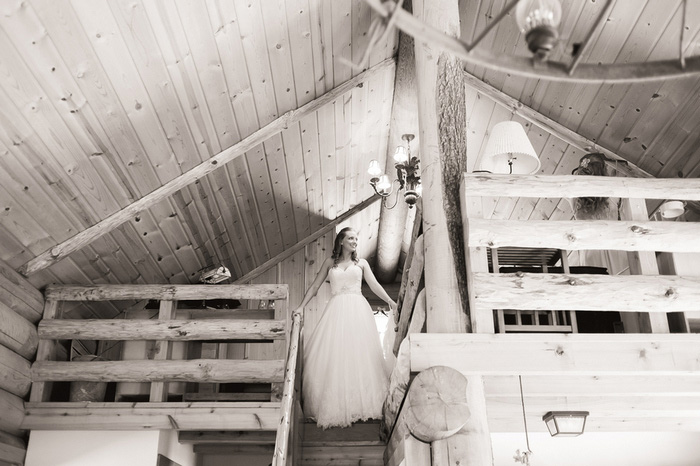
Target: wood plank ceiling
101,102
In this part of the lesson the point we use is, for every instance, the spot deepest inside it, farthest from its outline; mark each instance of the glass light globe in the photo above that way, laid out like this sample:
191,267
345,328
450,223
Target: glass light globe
401,155
374,169
419,189
530,14
384,185
538,20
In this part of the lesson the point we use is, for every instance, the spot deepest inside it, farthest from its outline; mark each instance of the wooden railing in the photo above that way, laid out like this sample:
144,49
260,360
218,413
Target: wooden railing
289,425
635,233
160,370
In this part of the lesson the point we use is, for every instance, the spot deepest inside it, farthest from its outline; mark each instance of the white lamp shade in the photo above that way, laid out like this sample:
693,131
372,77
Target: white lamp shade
374,169
509,143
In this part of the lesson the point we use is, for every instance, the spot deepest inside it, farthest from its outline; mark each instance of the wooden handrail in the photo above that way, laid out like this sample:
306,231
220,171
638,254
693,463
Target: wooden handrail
283,432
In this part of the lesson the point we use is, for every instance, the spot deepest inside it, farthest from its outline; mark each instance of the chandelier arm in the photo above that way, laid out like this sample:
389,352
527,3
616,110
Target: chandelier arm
680,45
493,24
523,66
584,45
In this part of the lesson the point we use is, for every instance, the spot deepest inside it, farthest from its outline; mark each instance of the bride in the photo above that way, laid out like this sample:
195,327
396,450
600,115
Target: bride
344,376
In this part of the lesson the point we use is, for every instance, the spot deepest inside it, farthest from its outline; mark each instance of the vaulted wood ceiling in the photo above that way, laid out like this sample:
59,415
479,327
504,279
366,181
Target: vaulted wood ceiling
104,101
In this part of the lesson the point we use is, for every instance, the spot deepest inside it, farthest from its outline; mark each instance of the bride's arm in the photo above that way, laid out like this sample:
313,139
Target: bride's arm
318,281
374,284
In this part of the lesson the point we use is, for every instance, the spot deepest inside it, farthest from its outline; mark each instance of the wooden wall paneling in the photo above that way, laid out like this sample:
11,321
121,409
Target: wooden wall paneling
312,168
299,28
204,54
143,46
326,137
506,40
361,20
265,200
683,161
75,50
343,154
478,114
341,26
321,43
22,225
216,199
487,12
283,203
294,161
384,50
664,108
247,209
128,91
279,52
56,77
190,218
138,255
497,114
255,49
570,156
46,132
550,155
647,41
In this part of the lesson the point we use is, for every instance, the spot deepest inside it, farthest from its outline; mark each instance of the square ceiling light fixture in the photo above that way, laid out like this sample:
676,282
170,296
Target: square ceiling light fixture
565,423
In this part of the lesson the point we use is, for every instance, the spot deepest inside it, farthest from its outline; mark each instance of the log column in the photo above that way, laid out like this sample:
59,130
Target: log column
442,119
404,119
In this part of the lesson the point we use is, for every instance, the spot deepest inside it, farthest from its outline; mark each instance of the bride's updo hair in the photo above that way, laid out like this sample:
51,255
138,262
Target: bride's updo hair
338,247
591,164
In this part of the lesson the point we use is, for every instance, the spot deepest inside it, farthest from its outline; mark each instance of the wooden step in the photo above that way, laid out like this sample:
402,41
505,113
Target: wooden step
336,446
237,416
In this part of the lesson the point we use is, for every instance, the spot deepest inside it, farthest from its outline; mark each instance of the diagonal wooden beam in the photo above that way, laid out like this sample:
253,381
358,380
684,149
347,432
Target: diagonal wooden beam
85,237
309,239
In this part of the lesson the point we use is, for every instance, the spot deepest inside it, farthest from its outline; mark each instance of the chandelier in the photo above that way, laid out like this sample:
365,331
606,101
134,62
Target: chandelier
407,176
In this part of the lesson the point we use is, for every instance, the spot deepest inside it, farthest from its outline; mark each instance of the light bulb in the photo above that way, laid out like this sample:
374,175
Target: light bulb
374,169
384,185
401,155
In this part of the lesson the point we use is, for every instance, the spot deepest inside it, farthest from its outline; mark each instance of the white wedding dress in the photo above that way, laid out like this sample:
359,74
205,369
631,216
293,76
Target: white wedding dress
344,376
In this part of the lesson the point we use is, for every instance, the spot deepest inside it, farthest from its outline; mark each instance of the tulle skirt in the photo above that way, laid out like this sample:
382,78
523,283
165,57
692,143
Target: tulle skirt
344,374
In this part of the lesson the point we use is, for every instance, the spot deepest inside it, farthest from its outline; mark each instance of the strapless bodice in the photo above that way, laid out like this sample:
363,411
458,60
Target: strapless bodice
348,281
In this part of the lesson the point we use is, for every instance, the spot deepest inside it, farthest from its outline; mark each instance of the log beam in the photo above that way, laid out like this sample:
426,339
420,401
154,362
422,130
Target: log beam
404,120
194,370
587,234
87,236
149,416
15,375
569,354
176,330
442,119
570,186
624,293
161,292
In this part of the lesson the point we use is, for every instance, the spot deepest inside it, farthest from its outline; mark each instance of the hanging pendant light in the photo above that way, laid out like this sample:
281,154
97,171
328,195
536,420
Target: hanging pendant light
539,20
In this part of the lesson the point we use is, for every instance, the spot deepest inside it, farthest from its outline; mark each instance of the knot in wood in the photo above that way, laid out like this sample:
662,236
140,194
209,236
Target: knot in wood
639,230
670,293
519,274
559,351
572,281
570,237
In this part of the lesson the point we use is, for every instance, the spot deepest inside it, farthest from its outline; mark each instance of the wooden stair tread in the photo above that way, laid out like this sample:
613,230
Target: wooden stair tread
358,434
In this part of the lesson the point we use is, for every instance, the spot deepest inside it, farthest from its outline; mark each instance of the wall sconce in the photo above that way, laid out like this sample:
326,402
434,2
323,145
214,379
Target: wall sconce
565,423
538,20
407,176
215,274
509,151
